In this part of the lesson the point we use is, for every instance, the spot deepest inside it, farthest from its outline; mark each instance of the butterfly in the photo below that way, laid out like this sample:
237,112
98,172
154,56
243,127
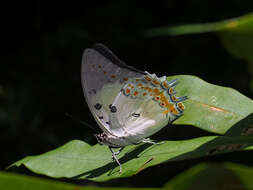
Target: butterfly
128,104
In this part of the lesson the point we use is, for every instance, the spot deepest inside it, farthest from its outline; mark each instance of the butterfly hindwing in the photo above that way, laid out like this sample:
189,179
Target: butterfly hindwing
143,107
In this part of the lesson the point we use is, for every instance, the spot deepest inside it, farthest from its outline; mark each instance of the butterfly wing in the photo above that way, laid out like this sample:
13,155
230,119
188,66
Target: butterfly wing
103,75
145,105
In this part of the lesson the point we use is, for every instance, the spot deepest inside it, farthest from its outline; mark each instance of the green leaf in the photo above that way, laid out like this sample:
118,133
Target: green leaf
11,181
211,107
79,160
213,176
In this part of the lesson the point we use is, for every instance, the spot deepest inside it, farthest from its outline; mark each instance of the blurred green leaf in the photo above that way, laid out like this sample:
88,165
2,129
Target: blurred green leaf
243,24
236,35
79,160
213,176
11,181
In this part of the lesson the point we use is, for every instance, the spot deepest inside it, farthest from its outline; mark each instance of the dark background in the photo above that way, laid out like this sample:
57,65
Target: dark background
42,44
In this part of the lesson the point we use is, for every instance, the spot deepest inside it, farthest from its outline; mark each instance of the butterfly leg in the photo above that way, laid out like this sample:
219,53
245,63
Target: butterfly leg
148,140
115,158
119,151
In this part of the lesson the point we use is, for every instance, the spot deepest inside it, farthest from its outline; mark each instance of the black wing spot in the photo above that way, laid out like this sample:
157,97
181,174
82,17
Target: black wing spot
136,114
110,106
100,117
108,122
113,109
97,106
94,91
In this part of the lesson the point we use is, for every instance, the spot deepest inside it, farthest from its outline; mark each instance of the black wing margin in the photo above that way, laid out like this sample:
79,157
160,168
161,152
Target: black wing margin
106,52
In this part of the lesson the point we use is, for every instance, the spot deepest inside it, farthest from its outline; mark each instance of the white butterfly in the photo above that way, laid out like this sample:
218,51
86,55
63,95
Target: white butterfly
128,104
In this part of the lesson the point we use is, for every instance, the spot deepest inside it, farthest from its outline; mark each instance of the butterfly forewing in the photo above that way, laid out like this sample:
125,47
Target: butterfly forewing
103,76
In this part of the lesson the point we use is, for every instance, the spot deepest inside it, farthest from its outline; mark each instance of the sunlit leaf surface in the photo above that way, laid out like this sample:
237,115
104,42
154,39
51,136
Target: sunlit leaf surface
77,159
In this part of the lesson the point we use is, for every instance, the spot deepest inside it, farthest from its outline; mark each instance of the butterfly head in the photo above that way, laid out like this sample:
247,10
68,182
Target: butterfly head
102,138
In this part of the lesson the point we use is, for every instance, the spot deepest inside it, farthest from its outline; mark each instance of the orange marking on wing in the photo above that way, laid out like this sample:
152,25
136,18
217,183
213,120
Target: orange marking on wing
125,79
113,76
136,93
174,98
99,66
165,100
165,85
144,94
140,85
148,89
156,82
165,112
171,90
156,91
128,91
104,72
148,78
181,106
173,110
137,80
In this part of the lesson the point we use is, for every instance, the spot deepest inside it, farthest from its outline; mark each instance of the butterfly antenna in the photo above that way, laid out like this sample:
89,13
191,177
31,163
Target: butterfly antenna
82,122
